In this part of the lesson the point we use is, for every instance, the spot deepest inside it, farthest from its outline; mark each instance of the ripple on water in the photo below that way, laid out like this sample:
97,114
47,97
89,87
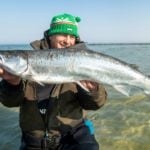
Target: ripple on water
123,124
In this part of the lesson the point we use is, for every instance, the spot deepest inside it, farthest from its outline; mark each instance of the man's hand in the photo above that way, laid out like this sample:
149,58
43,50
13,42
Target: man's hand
91,86
12,79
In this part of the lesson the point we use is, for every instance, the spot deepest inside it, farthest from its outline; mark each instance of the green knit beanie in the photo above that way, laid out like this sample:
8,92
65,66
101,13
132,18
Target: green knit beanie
64,24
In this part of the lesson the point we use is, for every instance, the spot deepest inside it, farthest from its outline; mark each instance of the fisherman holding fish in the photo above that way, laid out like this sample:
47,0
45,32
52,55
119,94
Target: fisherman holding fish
52,117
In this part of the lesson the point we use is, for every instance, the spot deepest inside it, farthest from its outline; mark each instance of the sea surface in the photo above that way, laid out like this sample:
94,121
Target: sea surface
122,124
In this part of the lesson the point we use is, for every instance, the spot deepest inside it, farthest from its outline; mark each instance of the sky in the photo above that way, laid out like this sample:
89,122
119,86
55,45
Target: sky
102,21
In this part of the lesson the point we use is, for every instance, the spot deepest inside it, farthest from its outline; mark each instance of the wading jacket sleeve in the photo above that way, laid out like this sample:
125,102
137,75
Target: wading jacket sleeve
10,95
92,100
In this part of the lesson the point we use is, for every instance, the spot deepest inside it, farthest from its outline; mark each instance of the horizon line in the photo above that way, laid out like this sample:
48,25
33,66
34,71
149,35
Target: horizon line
94,43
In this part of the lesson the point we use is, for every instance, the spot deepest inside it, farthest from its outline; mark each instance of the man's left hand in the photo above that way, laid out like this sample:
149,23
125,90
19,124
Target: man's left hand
91,86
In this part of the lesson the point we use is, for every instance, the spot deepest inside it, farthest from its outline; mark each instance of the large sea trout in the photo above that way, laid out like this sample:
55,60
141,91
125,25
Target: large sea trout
73,65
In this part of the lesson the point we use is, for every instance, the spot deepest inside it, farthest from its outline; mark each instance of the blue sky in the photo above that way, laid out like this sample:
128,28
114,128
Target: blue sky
102,20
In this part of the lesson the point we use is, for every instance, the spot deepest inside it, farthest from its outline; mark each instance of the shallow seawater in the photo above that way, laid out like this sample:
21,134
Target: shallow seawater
123,124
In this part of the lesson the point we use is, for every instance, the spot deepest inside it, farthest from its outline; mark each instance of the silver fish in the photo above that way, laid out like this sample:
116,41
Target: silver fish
73,65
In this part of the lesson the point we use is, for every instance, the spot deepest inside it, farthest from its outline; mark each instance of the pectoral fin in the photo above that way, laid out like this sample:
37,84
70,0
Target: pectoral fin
31,78
124,89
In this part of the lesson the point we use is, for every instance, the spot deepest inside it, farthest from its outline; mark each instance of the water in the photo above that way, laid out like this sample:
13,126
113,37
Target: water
122,124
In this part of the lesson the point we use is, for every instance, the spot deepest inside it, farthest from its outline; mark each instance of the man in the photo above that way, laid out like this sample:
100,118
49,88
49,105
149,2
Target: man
52,117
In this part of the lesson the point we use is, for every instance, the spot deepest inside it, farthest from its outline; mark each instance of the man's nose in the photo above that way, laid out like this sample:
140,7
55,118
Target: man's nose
67,39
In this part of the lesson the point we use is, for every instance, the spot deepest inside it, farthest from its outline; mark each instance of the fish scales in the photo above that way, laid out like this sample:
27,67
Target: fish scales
73,65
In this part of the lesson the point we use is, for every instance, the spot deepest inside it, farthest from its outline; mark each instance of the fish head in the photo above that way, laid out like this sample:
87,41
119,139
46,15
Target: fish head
13,64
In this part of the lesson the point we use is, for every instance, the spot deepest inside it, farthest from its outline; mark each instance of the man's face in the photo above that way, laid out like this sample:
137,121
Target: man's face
62,40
